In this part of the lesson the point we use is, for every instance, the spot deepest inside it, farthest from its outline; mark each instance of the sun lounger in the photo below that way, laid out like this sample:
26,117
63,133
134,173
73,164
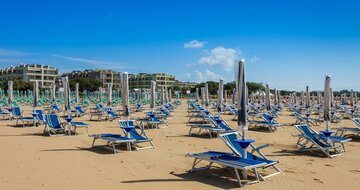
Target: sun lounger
227,160
113,140
229,139
268,121
316,143
132,133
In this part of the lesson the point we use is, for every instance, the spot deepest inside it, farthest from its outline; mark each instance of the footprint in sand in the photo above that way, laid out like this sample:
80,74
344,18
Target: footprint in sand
318,180
354,171
329,165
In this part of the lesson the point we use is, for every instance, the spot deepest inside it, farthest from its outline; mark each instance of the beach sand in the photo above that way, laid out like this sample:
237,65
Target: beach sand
30,160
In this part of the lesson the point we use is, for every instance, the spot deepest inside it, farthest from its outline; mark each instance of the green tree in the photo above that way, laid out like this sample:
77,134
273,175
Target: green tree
254,87
86,84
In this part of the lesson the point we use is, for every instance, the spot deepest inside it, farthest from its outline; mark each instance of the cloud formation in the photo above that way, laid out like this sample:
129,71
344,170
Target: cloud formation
94,62
254,59
194,44
12,53
225,57
206,76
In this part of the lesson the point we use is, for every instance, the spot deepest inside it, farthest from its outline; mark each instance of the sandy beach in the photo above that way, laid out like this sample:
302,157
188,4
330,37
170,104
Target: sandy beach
30,160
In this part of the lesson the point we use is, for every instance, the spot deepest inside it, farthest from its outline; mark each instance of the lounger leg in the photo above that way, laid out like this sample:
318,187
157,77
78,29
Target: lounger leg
93,142
113,145
238,177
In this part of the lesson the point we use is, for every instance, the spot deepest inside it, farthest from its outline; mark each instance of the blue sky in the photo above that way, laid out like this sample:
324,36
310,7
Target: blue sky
286,44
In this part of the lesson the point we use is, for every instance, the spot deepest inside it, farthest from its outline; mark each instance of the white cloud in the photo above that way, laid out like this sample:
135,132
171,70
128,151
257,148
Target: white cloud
187,76
94,62
194,44
224,57
254,59
206,76
12,53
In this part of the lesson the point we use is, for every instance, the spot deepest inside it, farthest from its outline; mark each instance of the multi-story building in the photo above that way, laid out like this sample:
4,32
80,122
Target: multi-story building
45,74
143,80
189,85
106,76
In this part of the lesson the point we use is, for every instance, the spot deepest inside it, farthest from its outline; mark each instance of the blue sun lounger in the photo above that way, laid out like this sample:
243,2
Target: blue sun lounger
53,125
152,120
3,113
316,143
268,121
17,113
227,160
335,139
342,131
113,140
139,138
79,111
216,125
229,139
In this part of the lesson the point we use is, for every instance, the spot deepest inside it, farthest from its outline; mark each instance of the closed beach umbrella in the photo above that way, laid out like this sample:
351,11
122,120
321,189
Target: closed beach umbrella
152,94
275,97
220,91
77,93
197,94
318,97
331,98
166,95
65,83
170,94
203,96
307,97
162,95
352,98
125,94
241,97
10,93
53,92
206,94
343,99
36,94
327,92
234,96
110,85
267,99
302,98
355,98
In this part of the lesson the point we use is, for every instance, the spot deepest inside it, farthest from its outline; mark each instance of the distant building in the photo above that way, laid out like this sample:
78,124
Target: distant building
105,76
185,84
143,80
45,74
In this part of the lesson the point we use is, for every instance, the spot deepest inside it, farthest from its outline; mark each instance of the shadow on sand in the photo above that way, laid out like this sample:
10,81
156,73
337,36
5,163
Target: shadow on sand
218,178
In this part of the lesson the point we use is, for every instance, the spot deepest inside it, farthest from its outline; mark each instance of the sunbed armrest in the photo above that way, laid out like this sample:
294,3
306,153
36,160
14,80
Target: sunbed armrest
260,147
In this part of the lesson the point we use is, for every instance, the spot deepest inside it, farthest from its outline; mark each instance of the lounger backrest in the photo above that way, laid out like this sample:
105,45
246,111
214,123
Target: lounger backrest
357,121
268,118
133,133
40,115
17,111
99,106
305,129
53,121
229,139
222,125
